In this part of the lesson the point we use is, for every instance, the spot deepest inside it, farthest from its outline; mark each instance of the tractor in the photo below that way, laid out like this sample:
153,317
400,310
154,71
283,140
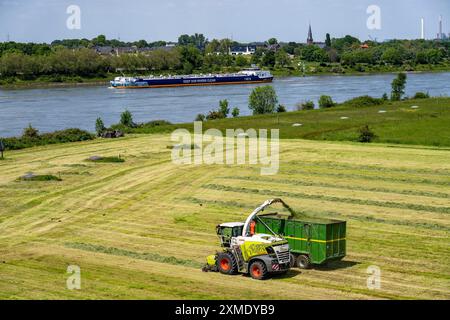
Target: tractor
245,252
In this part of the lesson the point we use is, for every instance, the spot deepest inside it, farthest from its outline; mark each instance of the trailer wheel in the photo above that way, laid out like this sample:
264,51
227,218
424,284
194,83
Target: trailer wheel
303,262
258,270
226,263
292,260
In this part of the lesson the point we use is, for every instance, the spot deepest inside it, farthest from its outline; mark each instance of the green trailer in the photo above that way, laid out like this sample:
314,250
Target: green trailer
311,240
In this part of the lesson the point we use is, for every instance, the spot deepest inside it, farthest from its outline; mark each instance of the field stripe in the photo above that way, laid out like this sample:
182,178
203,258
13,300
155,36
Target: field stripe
389,204
135,255
305,183
320,214
368,177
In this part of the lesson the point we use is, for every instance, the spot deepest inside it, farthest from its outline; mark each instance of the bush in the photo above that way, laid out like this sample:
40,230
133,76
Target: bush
200,117
263,100
421,95
326,102
385,97
366,134
306,105
212,115
154,123
363,101
235,112
62,136
67,135
281,108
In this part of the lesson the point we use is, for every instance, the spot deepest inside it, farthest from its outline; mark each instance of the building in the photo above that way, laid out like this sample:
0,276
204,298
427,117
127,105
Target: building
310,39
105,50
242,50
441,35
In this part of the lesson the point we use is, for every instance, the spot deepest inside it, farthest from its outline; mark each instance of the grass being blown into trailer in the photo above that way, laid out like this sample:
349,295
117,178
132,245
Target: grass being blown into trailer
140,229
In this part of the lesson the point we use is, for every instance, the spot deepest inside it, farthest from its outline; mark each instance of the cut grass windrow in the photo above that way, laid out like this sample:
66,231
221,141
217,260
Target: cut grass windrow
132,254
367,177
379,168
275,193
328,214
336,186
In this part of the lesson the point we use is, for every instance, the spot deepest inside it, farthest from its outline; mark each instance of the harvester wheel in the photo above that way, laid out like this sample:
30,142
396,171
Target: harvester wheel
303,262
258,270
226,263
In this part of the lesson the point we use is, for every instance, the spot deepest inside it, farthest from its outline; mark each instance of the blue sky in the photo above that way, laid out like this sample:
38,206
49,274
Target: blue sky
243,20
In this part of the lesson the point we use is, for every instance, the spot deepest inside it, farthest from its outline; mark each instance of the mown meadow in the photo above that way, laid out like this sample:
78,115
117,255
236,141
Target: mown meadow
141,228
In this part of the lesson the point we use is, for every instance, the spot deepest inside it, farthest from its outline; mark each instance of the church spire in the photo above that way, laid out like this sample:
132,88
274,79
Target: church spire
310,39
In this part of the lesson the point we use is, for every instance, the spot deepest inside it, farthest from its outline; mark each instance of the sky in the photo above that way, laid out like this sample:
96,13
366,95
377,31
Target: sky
241,20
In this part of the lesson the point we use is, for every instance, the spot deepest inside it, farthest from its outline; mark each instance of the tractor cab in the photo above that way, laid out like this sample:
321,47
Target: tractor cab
227,231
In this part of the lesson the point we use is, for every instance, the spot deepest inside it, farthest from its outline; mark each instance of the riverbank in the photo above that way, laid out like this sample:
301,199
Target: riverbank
422,122
312,69
413,122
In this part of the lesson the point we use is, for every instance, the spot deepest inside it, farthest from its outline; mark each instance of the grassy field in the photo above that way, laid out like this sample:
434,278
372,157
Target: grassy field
396,123
142,228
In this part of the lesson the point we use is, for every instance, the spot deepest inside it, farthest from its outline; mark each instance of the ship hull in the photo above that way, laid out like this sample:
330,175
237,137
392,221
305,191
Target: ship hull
191,81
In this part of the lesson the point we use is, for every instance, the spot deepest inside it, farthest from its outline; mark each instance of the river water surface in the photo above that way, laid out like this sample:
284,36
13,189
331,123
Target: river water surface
50,109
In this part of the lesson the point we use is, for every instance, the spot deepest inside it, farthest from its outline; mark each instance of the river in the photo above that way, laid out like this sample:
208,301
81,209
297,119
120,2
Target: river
50,109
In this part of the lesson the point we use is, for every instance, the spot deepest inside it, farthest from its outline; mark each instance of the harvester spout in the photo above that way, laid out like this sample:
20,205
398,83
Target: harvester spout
246,229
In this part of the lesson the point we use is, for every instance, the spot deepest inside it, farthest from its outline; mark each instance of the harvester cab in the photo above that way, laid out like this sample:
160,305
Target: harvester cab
244,251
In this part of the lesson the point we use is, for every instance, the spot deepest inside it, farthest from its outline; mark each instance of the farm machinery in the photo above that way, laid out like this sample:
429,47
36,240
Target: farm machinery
244,251
272,242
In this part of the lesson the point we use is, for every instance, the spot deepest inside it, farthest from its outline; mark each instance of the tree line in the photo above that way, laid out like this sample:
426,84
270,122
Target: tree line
195,53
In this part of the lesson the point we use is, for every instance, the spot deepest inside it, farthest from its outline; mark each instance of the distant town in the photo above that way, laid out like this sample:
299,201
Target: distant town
236,48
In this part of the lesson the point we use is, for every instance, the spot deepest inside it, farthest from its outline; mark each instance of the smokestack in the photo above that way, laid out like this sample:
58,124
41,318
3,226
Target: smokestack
440,27
422,29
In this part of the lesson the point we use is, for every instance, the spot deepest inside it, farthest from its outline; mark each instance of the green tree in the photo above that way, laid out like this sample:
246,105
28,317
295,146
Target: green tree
282,58
398,87
212,47
192,55
314,53
99,126
241,61
393,56
235,112
268,59
184,40
272,41
263,100
223,107
344,43
188,68
126,119
100,40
